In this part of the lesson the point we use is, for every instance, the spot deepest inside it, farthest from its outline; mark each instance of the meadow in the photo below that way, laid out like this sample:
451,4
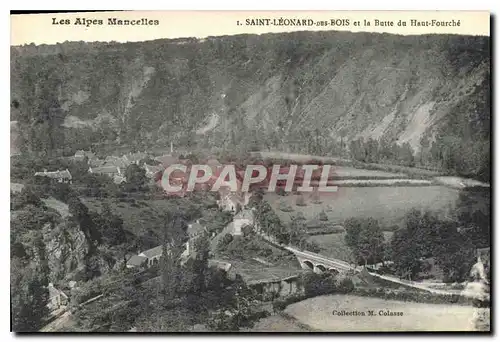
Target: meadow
386,204
333,245
317,313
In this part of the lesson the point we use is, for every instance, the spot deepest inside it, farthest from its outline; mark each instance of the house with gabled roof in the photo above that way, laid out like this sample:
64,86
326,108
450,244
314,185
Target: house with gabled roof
136,261
114,172
167,160
115,161
106,170
152,171
96,162
152,255
81,154
244,218
63,176
194,231
57,298
119,179
232,201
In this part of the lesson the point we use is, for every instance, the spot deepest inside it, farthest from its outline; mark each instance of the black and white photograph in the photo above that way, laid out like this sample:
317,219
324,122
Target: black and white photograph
244,171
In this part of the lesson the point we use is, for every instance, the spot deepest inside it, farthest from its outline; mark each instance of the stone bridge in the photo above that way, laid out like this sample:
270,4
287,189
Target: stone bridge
313,261
319,263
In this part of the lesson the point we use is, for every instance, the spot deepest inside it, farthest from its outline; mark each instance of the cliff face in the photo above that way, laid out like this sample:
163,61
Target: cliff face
46,235
267,91
66,248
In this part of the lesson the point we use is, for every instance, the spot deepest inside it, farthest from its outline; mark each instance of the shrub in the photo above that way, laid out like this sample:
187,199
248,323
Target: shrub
345,286
281,191
323,216
301,202
247,230
285,208
282,303
226,240
318,284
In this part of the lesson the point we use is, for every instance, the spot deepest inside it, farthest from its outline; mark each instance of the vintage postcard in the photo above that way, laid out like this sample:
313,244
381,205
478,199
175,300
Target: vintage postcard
238,171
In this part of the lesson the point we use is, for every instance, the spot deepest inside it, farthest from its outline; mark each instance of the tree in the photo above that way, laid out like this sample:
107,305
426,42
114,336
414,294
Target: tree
406,259
300,201
372,151
110,226
405,156
357,150
424,235
136,177
473,215
365,238
199,265
29,293
322,216
29,298
27,196
80,213
174,237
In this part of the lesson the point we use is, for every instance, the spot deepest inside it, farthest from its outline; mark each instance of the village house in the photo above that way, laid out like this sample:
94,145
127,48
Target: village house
136,261
240,220
119,179
106,170
80,155
232,201
223,265
96,162
114,172
194,231
229,202
167,160
116,162
152,171
152,256
134,158
57,298
56,176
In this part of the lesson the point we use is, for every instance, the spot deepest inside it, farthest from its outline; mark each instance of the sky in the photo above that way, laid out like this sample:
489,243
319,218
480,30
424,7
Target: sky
40,28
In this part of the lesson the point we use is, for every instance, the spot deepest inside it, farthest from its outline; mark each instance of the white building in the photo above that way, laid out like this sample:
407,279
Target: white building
57,176
242,219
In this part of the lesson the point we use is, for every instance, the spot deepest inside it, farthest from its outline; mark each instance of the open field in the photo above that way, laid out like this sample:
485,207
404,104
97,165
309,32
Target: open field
387,204
317,314
332,245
